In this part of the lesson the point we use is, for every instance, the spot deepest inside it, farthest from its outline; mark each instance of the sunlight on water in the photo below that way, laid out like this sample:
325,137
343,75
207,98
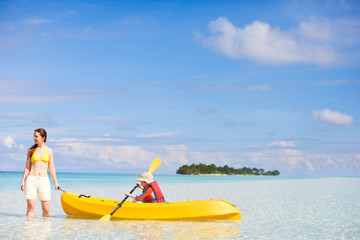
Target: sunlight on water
271,208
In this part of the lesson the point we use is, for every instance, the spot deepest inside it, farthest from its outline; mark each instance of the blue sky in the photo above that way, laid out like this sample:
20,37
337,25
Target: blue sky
116,84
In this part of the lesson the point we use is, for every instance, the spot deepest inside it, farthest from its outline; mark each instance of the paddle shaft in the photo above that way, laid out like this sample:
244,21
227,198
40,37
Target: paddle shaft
153,166
119,205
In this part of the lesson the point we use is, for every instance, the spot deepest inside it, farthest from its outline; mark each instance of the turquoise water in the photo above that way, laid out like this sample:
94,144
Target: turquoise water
271,207
10,180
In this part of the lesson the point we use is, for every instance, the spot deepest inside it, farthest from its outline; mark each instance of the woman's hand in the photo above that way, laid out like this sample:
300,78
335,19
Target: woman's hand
57,187
21,186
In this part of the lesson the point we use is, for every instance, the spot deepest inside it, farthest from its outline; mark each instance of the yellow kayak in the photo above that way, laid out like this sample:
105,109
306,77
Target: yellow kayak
215,209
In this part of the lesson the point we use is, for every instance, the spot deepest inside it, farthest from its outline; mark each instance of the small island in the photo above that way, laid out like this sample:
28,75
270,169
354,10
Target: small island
225,170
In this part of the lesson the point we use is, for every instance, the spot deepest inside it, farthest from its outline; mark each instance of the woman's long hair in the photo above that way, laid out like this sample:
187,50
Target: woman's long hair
42,134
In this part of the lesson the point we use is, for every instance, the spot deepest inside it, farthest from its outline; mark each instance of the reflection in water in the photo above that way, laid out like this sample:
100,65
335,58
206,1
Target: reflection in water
185,229
149,230
36,229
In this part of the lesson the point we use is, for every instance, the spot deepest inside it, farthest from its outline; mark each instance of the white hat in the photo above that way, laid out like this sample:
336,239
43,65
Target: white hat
146,177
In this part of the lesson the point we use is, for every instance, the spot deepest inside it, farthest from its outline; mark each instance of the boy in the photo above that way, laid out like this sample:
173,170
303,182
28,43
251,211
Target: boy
151,190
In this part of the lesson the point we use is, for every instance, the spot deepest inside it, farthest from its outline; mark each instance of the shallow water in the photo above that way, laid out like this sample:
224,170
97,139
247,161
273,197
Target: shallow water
271,208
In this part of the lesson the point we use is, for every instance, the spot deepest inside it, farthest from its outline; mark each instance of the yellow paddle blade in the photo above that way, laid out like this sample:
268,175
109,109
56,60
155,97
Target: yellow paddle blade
154,165
105,218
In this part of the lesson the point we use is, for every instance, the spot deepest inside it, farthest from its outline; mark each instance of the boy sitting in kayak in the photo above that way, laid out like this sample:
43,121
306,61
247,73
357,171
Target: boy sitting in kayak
151,190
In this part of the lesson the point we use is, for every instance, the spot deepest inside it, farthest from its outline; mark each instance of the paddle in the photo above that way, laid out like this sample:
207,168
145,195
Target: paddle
153,166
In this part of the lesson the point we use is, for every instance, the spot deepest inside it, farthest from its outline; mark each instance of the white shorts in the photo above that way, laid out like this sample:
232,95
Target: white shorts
35,185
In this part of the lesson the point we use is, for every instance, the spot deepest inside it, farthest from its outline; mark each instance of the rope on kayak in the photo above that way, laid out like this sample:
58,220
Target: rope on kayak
82,195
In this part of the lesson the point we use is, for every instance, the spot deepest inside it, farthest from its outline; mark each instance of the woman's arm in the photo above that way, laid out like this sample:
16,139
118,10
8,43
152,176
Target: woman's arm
26,171
52,169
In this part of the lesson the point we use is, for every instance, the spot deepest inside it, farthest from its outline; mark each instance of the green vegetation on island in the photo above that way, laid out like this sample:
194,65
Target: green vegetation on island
212,169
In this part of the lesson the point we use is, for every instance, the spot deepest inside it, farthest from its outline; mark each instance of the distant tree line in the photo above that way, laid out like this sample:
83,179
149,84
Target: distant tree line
212,169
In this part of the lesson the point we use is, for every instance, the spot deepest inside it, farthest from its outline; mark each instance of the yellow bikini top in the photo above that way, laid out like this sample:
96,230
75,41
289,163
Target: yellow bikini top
45,157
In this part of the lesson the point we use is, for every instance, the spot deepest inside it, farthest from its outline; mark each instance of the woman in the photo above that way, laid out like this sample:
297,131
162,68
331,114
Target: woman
35,179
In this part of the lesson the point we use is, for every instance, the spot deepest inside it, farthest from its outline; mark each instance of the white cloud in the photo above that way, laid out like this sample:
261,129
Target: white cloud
28,92
155,135
136,20
347,30
36,92
283,160
105,139
282,144
332,117
323,162
108,155
260,42
43,118
316,29
72,140
9,142
293,159
120,156
234,87
74,154
37,21
345,82
261,87
64,140
175,154
204,110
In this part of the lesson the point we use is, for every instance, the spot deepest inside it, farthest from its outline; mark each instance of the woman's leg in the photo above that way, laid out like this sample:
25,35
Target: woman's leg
30,207
45,205
44,195
30,189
